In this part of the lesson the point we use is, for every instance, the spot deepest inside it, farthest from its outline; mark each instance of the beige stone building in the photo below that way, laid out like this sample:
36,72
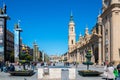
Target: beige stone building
35,52
104,41
55,58
64,57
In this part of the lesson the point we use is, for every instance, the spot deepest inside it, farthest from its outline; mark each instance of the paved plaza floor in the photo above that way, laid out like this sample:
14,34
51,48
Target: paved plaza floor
83,67
7,76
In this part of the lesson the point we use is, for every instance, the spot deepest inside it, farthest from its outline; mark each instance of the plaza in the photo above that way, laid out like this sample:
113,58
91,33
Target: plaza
7,76
42,30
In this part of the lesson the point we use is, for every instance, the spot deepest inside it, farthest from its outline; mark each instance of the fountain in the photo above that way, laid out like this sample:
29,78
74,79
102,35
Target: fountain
88,62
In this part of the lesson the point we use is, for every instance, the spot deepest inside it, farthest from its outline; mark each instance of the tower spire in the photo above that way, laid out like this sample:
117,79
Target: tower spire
80,35
71,16
86,30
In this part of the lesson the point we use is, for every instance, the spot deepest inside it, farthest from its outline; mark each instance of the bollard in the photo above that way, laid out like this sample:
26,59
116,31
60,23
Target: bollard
46,71
64,74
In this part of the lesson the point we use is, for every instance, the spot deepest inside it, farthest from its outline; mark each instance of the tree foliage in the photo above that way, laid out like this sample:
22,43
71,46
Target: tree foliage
25,56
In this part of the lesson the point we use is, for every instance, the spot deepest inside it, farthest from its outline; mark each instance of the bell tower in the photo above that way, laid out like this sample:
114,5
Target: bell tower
72,35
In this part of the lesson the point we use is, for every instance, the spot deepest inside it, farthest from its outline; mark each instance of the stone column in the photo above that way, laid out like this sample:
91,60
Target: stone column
70,57
103,43
74,56
84,59
93,59
99,51
80,61
78,55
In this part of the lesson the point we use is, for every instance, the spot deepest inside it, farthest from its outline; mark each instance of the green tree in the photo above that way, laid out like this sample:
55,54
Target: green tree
26,56
46,57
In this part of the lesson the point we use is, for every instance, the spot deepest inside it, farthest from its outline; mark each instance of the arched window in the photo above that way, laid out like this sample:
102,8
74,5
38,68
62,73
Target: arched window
72,41
71,28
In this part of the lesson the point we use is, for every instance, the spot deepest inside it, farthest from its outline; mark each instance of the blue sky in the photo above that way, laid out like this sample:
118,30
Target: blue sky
46,21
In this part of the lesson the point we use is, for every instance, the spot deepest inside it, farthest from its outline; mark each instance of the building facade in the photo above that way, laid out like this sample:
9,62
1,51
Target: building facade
3,32
64,57
55,58
103,41
35,52
9,46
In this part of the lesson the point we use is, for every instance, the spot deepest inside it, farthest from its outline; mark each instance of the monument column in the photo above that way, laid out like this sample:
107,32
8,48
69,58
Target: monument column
17,49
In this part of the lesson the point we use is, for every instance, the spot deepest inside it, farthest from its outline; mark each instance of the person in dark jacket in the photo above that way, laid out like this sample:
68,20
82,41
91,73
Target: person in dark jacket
12,67
118,67
2,65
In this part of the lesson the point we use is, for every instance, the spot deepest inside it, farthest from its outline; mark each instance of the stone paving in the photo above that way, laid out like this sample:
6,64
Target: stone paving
7,76
83,67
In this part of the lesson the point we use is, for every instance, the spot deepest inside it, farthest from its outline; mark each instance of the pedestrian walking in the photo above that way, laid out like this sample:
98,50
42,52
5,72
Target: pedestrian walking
105,71
116,73
2,65
118,67
12,67
110,72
